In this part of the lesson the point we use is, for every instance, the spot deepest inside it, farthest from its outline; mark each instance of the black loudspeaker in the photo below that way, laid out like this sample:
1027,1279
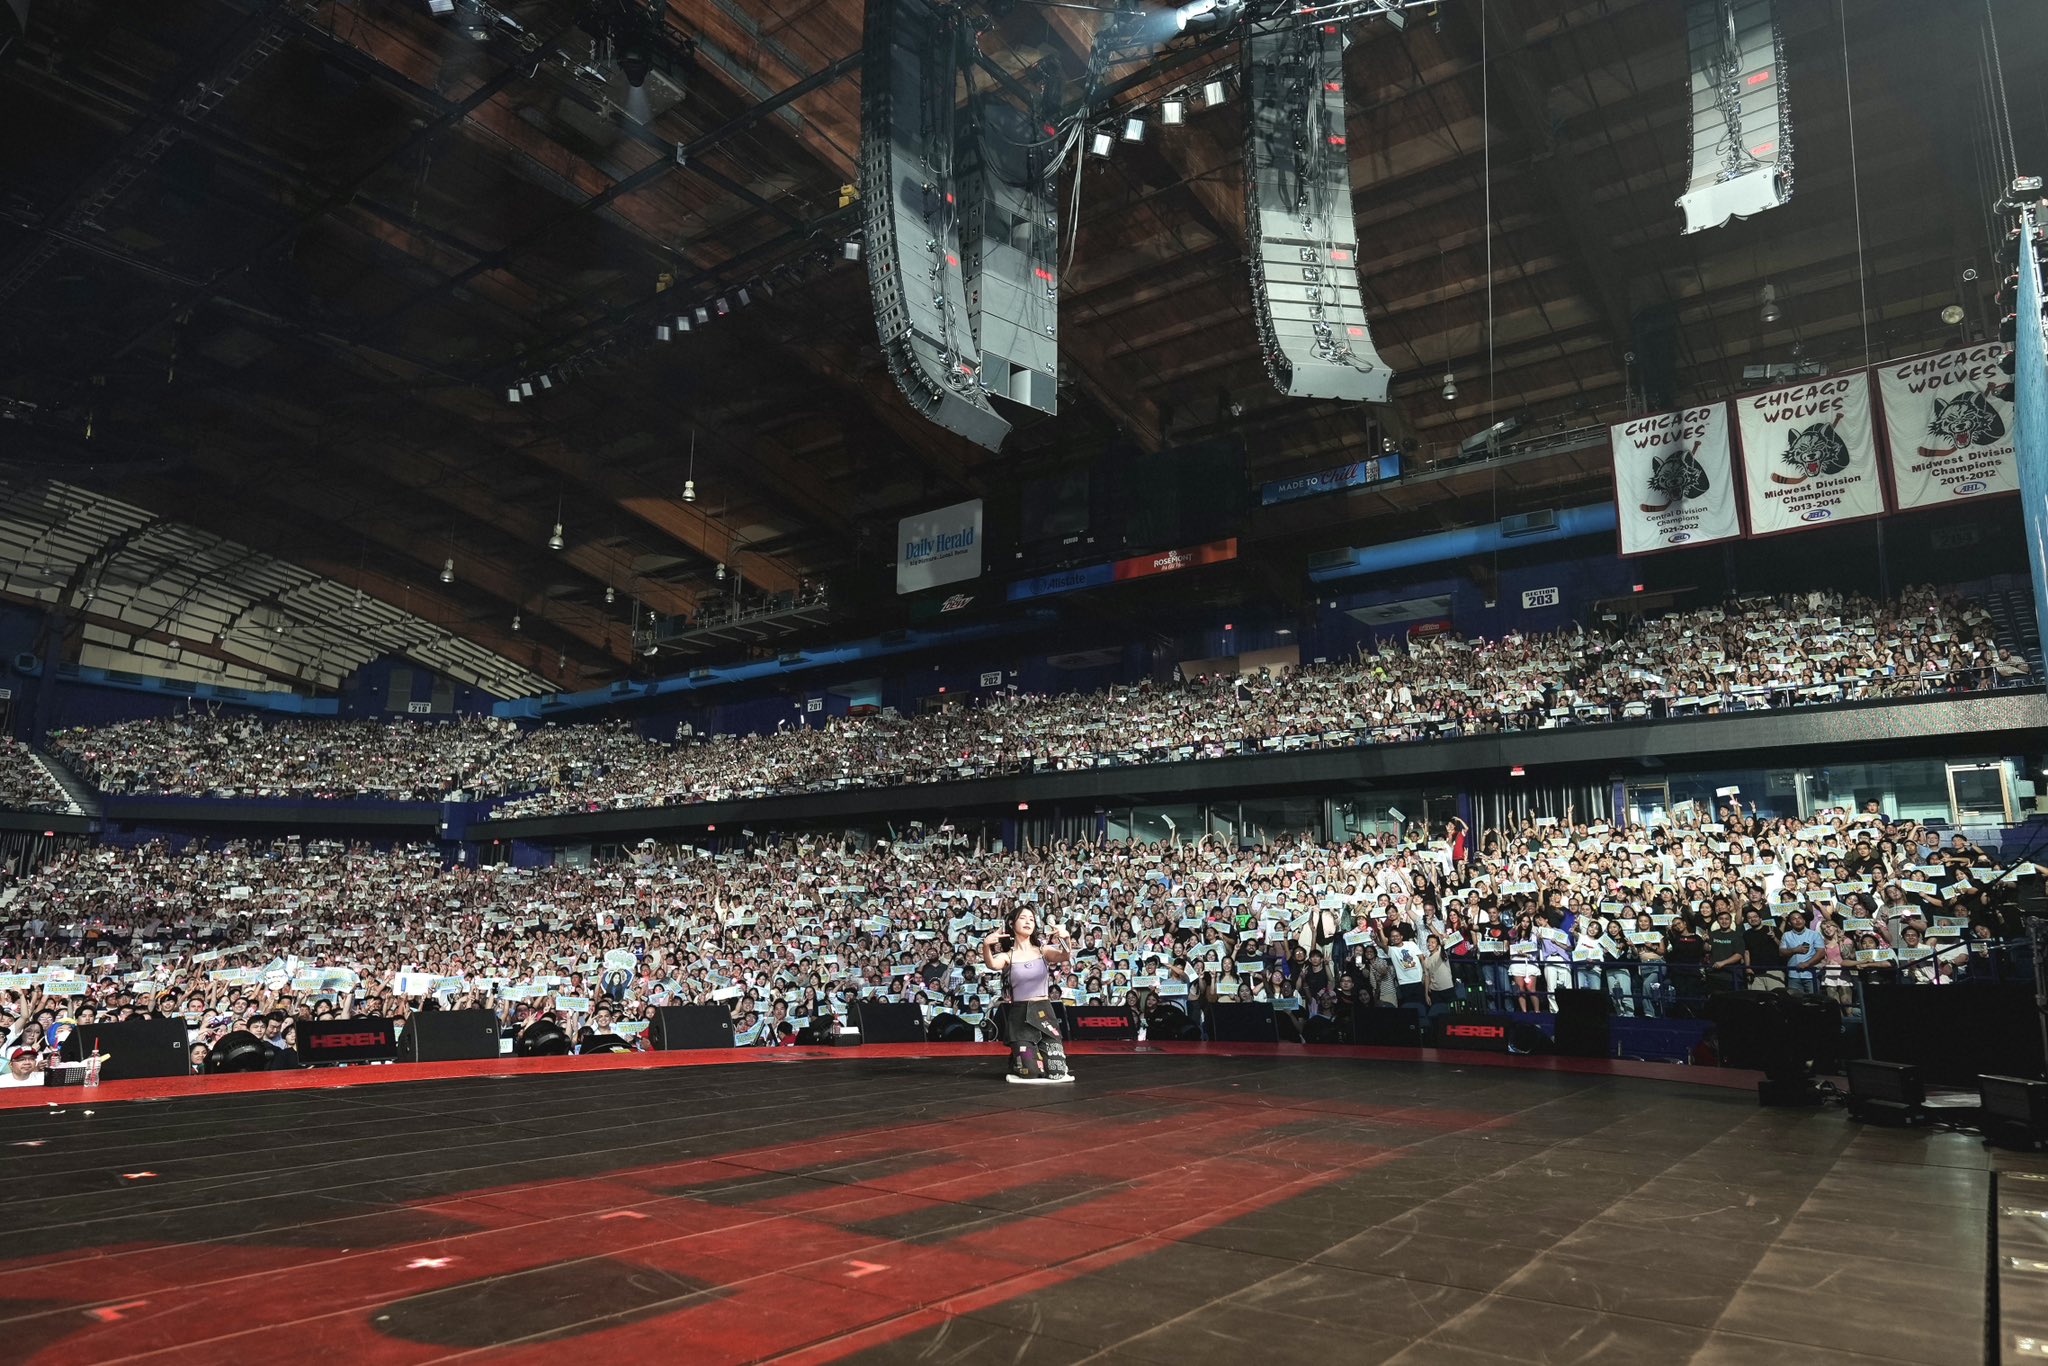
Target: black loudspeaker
1098,1022
1886,1092
1243,1022
449,1036
134,1048
950,1028
239,1051
1387,1026
888,1022
1303,239
910,64
542,1039
1167,1021
2015,1111
691,1027
1582,1017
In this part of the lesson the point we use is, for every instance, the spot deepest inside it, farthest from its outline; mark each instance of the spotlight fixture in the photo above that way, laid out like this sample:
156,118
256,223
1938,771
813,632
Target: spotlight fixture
515,621
703,315
1214,93
611,594
526,388
1171,110
1768,297
634,64
1134,129
1201,15
682,322
555,537
547,381
1952,315
849,250
745,298
721,571
512,394
448,570
661,332
440,6
1101,142
689,490
1450,387
724,307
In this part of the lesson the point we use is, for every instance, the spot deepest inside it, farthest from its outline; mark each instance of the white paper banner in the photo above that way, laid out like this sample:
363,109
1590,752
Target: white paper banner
1674,480
1950,439
1809,455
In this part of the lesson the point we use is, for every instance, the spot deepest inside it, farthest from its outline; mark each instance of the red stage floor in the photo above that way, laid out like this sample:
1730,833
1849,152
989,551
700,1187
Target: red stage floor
1181,1208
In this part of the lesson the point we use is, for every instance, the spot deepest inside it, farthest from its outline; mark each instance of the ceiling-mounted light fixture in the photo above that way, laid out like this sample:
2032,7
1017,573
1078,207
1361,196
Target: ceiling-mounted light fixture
724,306
1450,387
1172,110
1953,315
661,332
682,322
1214,93
1768,297
1134,129
690,479
547,381
703,315
721,571
849,250
526,388
440,6
611,594
448,570
511,396
1101,142
555,536
744,297
515,621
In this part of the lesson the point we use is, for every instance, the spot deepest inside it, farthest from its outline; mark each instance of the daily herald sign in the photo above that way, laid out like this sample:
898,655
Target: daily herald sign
938,547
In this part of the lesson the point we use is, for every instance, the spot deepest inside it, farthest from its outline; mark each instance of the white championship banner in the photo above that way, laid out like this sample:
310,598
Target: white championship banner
1809,454
1674,479
1950,439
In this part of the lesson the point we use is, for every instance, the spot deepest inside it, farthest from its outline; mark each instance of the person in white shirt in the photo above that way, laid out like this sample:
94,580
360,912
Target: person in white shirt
24,1068
1407,964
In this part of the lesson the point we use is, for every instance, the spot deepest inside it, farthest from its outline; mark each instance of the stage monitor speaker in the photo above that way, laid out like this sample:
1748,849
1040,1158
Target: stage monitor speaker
239,1051
1098,1022
363,1038
888,1022
1169,1022
1741,121
1303,241
911,60
1582,1023
949,1028
1242,1022
1387,1026
1886,1092
677,1027
150,1047
2015,1110
543,1039
449,1036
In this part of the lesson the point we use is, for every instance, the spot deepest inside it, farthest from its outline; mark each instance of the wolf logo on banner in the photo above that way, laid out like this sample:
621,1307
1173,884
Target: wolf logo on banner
1951,436
1673,480
1809,454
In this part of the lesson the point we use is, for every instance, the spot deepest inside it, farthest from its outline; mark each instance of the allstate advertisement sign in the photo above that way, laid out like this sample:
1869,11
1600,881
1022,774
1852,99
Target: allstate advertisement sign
937,547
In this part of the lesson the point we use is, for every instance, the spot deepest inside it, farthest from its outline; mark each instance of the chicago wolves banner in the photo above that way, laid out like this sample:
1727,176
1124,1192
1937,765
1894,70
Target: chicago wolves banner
1674,482
1809,454
1950,438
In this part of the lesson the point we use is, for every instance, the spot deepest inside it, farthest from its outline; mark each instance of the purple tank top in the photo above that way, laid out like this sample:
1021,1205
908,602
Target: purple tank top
1029,979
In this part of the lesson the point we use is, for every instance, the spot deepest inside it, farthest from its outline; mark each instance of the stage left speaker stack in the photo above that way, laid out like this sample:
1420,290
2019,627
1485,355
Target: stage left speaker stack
910,127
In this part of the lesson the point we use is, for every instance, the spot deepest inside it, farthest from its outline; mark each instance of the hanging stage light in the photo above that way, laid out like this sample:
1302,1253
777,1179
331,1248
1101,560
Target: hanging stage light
555,537
1203,15
1101,142
512,394
745,298
1134,129
1214,93
661,332
721,571
850,249
1768,297
703,315
689,490
440,6
526,388
682,322
611,594
448,570
1171,110
515,621
723,307
1450,387
547,381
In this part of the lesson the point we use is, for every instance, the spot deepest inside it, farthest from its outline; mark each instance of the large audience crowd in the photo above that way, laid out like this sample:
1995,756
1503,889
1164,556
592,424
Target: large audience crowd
26,783
787,935
1757,653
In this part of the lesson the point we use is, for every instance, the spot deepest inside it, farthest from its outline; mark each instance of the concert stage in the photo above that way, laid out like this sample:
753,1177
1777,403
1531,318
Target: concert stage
1203,1206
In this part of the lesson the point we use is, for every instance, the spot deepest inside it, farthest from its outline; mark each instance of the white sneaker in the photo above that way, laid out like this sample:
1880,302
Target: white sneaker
1029,1081
1067,1076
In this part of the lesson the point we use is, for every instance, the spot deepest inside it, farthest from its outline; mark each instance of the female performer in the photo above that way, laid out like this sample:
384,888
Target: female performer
1036,1053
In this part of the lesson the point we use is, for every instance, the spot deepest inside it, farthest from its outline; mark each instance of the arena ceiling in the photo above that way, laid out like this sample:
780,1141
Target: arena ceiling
268,268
